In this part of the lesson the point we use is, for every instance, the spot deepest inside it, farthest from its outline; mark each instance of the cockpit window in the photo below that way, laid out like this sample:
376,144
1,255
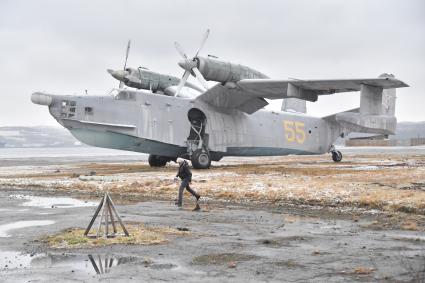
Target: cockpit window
68,108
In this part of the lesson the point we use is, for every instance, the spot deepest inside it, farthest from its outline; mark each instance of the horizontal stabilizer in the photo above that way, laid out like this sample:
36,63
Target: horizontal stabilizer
357,122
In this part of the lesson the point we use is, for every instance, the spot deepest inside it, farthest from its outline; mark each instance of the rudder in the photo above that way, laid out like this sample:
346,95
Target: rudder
376,113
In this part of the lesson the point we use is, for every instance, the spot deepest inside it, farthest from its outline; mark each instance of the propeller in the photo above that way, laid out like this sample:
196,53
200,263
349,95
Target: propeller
190,65
125,63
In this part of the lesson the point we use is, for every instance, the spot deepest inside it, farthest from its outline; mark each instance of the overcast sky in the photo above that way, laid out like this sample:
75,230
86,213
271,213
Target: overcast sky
65,47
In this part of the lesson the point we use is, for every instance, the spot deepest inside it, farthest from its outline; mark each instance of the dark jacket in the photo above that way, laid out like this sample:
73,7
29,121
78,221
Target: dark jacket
184,171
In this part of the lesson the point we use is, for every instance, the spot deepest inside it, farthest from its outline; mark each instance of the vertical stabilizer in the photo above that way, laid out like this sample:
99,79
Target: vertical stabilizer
376,113
388,98
377,101
294,105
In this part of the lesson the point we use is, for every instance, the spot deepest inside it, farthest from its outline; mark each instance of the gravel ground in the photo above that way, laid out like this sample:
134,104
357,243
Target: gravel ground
293,219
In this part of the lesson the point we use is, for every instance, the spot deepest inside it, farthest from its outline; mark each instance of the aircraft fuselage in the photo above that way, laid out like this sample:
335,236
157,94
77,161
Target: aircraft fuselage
159,124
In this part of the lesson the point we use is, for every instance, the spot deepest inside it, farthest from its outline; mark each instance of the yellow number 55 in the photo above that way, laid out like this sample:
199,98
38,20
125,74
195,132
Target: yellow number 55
294,131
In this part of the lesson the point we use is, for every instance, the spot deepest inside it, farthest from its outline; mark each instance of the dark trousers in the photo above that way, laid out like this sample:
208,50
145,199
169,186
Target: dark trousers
183,185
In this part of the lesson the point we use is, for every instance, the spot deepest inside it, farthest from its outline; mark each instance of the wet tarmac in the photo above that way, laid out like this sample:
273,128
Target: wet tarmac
226,244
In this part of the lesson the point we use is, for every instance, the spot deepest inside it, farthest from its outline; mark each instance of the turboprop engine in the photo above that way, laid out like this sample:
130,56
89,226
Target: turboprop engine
211,69
142,78
221,71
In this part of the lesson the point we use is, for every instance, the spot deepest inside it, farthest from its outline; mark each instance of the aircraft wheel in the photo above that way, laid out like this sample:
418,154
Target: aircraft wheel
157,161
201,160
336,156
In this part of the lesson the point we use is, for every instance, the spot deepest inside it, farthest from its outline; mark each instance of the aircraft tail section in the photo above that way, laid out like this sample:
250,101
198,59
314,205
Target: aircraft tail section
294,105
376,113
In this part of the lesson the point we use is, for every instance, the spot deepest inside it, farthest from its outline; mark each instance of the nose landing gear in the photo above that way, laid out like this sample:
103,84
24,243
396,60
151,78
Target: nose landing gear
336,154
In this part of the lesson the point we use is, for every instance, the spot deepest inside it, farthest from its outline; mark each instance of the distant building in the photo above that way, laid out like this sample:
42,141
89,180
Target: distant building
383,141
379,140
417,141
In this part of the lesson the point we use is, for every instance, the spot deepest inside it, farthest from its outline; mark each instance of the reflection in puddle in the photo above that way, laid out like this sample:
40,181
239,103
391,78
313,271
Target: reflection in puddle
104,265
92,264
52,202
5,228
89,264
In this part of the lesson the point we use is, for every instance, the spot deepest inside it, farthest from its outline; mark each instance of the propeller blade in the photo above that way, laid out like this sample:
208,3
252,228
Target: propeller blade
126,54
179,49
182,82
200,78
203,42
125,62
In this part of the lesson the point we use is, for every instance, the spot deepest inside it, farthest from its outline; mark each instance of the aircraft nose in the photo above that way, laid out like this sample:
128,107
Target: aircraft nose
187,64
41,98
118,74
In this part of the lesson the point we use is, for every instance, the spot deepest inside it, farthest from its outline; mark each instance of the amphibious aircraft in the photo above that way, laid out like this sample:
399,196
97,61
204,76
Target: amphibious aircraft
228,118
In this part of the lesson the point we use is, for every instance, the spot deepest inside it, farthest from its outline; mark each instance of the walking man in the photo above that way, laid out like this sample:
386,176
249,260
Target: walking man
185,175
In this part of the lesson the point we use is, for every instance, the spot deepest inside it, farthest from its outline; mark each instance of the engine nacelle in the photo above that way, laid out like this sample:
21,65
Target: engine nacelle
222,71
146,79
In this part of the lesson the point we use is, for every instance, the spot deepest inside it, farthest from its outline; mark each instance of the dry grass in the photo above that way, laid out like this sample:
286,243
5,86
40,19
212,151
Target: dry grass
139,235
410,225
225,258
361,270
390,184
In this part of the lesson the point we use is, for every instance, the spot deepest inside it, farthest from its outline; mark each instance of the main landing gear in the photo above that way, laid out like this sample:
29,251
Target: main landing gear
201,159
336,154
197,142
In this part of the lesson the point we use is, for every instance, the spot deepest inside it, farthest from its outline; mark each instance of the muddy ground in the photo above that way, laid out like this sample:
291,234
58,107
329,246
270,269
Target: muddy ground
268,219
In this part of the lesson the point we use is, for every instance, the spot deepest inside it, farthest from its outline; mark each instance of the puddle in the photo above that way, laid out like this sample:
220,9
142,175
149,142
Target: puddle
12,260
90,264
52,202
5,228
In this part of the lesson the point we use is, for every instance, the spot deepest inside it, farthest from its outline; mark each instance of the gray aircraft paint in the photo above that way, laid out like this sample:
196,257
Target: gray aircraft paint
142,78
229,119
158,124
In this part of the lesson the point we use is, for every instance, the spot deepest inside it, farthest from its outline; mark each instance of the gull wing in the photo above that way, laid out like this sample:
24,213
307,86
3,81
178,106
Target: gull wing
249,95
231,96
